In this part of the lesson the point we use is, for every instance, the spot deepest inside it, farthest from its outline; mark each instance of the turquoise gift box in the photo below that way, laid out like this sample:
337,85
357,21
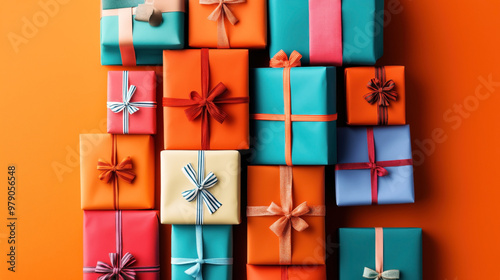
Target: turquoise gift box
120,28
192,243
313,96
401,251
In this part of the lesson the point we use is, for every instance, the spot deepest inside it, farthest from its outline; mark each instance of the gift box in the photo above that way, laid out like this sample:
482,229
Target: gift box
386,253
135,32
293,113
228,24
286,272
131,102
202,252
119,244
375,166
375,95
285,210
117,171
200,187
206,99
328,32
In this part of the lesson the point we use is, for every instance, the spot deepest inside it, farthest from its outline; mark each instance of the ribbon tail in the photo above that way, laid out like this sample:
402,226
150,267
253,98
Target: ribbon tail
222,40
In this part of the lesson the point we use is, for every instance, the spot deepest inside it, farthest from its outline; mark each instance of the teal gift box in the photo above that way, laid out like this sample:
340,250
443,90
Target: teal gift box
129,42
399,253
202,252
312,138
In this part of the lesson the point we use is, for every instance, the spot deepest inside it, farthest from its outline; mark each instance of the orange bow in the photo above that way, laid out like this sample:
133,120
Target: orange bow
281,60
122,170
218,15
279,227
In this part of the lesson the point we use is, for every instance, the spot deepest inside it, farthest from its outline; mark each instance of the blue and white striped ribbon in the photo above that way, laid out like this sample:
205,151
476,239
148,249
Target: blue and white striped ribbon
201,184
126,106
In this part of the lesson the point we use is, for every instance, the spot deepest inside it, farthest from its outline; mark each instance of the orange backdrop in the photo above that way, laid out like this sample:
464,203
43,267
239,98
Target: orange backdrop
53,88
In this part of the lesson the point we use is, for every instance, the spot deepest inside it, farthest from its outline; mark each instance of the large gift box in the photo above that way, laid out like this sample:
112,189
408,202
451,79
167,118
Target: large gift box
206,99
200,187
293,113
228,24
202,252
135,32
117,171
285,210
328,32
375,166
131,102
375,95
286,272
380,253
121,244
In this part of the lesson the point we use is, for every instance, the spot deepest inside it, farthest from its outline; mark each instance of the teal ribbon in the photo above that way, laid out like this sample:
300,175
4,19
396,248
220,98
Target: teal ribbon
388,274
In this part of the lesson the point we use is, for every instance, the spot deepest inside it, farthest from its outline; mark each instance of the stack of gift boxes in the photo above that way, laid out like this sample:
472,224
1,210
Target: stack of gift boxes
213,104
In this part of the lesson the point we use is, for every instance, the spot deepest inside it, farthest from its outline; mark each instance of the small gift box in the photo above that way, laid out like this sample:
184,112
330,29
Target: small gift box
228,24
286,272
375,95
293,113
328,32
380,253
131,102
206,99
200,187
135,32
121,245
286,209
117,171
202,252
375,166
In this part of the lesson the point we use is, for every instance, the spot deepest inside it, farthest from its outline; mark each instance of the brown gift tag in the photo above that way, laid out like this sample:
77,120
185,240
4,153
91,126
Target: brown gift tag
146,12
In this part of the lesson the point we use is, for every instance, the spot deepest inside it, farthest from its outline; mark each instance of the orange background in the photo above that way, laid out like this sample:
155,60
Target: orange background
54,88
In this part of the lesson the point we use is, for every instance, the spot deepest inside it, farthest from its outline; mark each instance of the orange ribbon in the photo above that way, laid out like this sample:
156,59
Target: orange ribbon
218,15
289,218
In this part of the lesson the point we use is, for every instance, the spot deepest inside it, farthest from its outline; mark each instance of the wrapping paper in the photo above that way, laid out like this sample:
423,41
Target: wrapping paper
285,272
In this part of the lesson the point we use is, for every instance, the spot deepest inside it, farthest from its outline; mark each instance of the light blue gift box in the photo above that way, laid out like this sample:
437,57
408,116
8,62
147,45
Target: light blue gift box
353,187
149,41
313,92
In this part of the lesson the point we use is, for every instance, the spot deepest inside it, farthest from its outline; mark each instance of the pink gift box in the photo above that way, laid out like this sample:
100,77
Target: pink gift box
138,114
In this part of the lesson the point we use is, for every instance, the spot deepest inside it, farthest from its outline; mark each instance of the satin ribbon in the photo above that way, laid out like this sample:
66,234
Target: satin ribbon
289,217
110,172
195,270
381,93
201,185
207,104
379,272
121,266
377,168
218,15
280,60
284,272
126,106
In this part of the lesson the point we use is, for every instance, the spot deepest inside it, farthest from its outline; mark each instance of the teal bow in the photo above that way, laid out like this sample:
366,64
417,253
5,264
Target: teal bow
388,274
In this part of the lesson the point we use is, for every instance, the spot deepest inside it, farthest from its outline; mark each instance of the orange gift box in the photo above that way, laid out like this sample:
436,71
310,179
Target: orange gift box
209,117
375,95
305,227
117,171
284,272
211,26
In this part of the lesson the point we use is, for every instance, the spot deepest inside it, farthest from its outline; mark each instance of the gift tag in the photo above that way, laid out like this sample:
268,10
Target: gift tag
147,12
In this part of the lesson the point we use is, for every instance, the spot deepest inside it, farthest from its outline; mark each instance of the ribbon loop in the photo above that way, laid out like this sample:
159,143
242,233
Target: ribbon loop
110,172
281,60
218,15
385,275
119,269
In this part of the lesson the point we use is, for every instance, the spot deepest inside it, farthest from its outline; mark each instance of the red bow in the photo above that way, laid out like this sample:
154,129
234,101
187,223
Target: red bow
288,216
381,92
122,170
378,169
203,106
119,269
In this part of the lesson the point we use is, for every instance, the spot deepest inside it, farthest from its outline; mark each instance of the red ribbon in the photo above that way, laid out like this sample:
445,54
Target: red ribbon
206,104
382,92
376,167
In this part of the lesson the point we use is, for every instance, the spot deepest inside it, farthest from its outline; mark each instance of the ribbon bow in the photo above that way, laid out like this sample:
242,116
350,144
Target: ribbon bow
110,171
381,171
388,274
119,269
218,15
280,60
201,186
381,92
207,106
279,226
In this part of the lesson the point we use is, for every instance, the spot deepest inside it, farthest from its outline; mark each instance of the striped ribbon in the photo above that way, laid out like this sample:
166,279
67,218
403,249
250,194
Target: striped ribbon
196,269
201,184
381,92
126,106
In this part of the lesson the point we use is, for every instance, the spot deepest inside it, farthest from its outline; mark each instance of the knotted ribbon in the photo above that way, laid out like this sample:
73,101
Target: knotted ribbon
381,92
289,217
201,185
126,105
195,270
110,172
280,60
207,104
379,272
218,15
377,168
